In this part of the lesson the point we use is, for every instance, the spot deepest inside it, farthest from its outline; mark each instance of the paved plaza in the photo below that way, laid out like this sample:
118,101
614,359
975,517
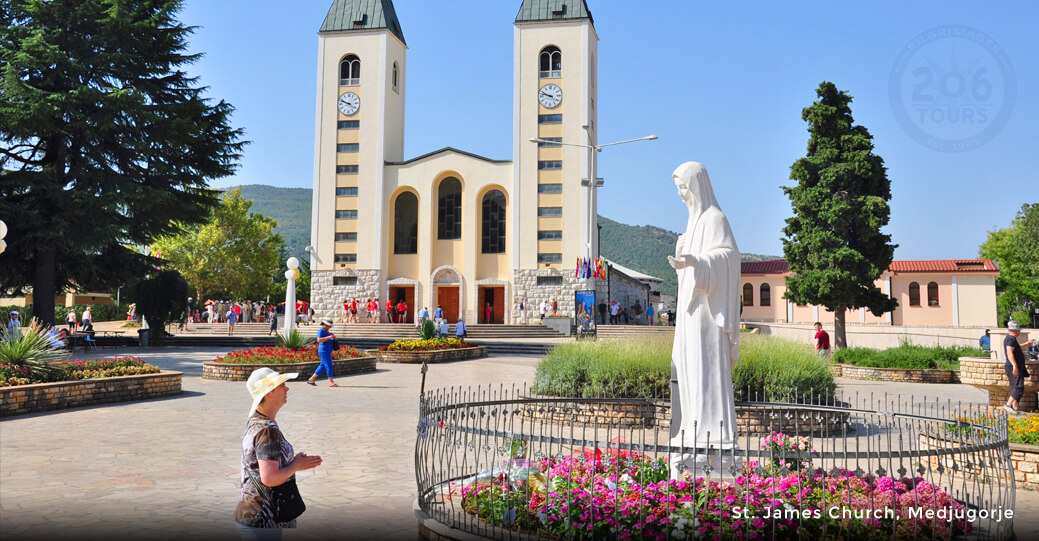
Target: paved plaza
168,468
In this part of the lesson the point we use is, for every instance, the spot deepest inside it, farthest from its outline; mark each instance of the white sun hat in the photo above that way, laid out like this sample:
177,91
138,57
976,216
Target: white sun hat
263,381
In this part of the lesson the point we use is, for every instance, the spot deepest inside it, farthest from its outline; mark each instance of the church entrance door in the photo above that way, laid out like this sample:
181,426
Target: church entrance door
407,294
447,298
495,296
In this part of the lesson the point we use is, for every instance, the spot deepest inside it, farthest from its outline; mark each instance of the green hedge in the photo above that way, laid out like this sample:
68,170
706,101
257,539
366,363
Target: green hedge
769,369
907,356
100,312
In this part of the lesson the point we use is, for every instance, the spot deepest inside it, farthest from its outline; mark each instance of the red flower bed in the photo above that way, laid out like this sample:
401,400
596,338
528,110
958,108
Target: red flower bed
278,355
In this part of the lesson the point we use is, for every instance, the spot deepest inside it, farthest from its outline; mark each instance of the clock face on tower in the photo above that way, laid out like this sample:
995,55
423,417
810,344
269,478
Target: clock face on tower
550,95
348,103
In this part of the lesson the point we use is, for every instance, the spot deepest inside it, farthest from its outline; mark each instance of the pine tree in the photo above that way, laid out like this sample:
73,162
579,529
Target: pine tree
105,142
833,243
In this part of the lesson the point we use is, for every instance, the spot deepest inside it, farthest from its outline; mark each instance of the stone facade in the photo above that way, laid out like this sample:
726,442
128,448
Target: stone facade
625,290
1026,465
894,374
70,394
526,290
435,356
991,376
240,372
328,298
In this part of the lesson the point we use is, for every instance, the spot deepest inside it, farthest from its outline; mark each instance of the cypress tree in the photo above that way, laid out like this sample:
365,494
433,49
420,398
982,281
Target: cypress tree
834,245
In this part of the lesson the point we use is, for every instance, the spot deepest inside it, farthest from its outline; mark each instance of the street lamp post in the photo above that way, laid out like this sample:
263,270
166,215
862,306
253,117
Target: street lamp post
290,295
593,182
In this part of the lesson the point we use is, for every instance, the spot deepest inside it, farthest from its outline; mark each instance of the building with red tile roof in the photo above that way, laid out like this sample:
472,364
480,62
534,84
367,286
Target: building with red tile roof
942,292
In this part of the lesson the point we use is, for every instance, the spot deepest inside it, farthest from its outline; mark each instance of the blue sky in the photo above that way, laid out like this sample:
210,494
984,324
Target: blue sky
720,83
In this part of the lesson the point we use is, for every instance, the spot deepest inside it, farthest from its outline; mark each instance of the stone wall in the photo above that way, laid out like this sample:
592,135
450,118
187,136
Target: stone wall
435,356
69,394
894,374
526,290
1026,465
991,376
789,420
878,336
240,372
327,298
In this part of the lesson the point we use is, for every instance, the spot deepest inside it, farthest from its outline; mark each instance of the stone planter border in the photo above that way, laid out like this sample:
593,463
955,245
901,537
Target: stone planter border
1026,465
240,372
57,395
1024,458
907,375
559,324
434,356
789,419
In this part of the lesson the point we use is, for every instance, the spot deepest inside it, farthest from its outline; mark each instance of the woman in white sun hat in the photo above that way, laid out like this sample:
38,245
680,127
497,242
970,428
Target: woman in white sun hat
267,457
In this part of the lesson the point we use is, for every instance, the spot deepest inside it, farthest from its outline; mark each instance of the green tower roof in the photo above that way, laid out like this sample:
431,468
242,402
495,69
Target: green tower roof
553,10
362,15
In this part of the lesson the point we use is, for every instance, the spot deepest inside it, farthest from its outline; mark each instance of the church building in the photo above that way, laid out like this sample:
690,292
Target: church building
449,227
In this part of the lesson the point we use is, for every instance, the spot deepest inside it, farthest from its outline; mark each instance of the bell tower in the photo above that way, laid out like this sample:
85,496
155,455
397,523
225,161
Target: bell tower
555,46
359,127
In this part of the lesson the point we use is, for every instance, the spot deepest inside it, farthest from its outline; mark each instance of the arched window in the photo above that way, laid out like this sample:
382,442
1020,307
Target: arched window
350,71
405,224
449,209
395,76
766,295
550,62
748,295
932,294
493,222
914,294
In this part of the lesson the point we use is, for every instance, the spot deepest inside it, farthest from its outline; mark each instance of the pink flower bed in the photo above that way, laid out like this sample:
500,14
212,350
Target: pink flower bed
629,496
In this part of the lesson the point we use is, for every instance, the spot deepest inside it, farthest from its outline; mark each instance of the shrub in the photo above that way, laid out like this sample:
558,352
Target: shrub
70,370
32,349
294,341
100,312
775,369
427,330
907,356
769,368
617,368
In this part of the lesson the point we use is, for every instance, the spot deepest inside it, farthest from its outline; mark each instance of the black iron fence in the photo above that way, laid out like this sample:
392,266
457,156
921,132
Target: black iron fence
501,463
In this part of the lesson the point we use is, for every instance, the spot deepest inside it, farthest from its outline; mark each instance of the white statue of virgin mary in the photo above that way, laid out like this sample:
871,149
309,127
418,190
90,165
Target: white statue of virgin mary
707,328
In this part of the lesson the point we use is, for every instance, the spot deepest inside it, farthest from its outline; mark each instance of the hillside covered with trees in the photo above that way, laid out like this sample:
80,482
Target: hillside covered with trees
640,247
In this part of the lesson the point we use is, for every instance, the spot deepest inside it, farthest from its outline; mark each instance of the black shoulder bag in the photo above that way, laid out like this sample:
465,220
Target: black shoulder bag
284,498
335,344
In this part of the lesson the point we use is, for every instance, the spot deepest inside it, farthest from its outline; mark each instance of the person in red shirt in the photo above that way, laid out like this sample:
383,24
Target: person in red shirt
488,313
391,311
822,341
346,310
353,310
375,311
402,312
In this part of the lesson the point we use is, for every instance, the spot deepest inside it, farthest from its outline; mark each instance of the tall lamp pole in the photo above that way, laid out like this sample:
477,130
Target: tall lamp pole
290,295
593,182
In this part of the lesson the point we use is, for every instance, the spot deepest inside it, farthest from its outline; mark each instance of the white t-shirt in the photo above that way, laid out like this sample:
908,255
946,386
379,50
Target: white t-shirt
544,307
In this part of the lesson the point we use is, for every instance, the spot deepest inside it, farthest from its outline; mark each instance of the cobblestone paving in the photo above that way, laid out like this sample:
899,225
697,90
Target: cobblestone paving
167,468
